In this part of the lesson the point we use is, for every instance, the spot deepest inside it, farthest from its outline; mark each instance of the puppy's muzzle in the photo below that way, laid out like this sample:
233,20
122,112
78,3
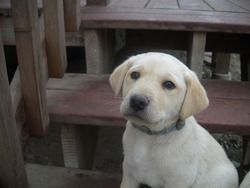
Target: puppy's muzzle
138,102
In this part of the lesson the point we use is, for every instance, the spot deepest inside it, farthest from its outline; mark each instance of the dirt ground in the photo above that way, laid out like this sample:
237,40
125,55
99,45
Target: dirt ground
109,148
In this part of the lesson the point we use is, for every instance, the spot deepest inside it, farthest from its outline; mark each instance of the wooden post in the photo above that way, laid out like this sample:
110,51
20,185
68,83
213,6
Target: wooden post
99,50
12,171
86,141
196,50
55,37
28,44
72,15
222,63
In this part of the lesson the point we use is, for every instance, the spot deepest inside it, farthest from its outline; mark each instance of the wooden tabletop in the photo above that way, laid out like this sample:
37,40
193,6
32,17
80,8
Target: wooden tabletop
230,16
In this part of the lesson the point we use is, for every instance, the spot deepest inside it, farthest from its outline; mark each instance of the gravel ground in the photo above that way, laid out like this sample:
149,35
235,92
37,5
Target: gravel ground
109,148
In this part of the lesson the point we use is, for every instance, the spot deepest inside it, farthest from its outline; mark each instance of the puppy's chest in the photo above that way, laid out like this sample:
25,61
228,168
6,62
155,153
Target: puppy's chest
147,162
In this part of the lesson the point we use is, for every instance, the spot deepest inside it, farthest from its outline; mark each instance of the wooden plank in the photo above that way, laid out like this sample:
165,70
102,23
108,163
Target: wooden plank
196,50
59,177
194,5
99,49
227,89
244,4
132,18
224,5
131,3
163,4
28,46
12,171
55,37
226,116
93,103
71,15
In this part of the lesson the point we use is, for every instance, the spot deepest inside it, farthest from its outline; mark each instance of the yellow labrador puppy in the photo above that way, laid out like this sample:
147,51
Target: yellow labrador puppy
164,147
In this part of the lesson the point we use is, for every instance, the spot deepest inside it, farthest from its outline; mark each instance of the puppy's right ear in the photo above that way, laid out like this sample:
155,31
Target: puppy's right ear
117,77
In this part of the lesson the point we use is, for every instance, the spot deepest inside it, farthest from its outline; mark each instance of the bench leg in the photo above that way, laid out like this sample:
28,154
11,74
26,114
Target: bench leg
196,50
100,50
79,144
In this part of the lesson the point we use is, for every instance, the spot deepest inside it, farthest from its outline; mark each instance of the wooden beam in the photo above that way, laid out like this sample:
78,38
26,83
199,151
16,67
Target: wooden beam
72,15
12,171
55,37
28,44
196,50
99,49
222,64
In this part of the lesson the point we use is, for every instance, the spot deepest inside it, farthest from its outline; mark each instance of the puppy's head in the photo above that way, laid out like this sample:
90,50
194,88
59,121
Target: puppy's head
157,88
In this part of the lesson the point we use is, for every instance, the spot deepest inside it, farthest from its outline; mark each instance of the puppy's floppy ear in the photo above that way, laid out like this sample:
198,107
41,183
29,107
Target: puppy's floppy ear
117,77
196,97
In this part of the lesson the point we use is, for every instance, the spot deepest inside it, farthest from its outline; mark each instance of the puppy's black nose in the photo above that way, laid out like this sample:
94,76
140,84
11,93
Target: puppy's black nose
138,102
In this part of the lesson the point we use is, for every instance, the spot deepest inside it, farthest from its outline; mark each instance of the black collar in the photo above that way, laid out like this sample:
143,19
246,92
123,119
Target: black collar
178,125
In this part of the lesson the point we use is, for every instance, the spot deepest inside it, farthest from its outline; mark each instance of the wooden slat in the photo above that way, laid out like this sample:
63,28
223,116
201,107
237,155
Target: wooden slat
131,3
55,37
194,5
59,177
244,4
92,103
168,4
28,46
71,15
12,171
224,5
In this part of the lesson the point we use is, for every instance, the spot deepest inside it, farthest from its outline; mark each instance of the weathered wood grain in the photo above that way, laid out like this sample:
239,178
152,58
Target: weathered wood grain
28,44
55,37
93,103
71,15
196,51
12,171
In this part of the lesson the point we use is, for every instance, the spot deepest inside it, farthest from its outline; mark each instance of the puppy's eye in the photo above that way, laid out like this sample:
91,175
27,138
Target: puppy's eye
168,85
135,75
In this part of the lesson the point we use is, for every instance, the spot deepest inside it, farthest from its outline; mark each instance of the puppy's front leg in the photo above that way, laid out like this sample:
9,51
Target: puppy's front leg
128,181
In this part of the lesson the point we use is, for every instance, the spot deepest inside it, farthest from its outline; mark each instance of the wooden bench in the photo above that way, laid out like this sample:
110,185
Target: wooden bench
86,100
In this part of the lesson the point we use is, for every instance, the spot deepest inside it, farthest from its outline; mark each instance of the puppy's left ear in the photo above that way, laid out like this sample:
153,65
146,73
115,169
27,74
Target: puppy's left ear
117,77
196,97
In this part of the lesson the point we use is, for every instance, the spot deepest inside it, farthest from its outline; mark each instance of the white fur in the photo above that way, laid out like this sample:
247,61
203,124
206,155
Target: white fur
184,158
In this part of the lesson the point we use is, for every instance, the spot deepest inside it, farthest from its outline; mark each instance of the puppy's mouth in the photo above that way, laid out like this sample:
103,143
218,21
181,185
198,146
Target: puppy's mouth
139,118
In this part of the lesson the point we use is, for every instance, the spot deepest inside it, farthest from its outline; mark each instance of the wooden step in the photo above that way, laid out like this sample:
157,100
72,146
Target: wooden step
42,176
157,15
88,100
